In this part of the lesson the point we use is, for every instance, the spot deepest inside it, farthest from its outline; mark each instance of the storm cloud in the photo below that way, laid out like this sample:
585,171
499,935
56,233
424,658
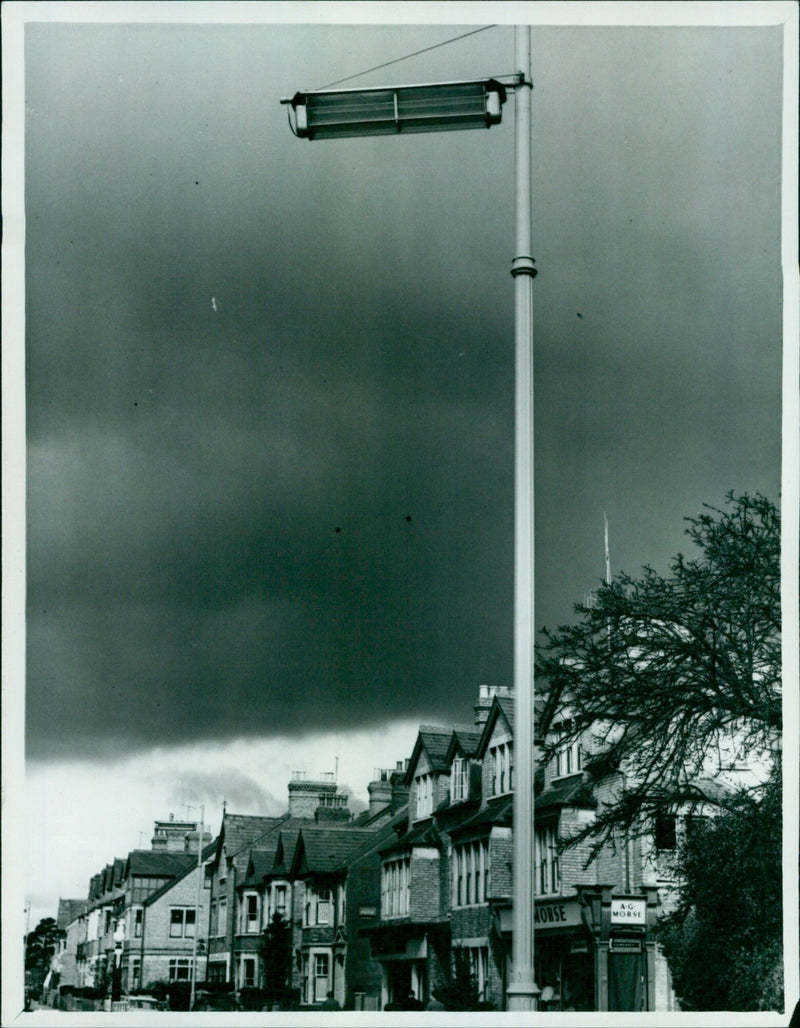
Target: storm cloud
270,384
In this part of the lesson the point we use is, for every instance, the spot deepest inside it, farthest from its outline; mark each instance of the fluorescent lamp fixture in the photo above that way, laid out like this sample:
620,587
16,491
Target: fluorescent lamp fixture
332,114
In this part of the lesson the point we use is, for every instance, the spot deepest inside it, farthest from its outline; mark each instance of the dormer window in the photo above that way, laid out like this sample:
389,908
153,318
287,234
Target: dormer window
502,768
424,785
459,780
568,751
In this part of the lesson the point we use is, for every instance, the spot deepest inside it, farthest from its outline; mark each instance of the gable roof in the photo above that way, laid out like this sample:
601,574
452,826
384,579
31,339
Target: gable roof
496,812
158,863
208,852
463,742
326,849
425,835
572,792
240,831
502,709
435,741
69,910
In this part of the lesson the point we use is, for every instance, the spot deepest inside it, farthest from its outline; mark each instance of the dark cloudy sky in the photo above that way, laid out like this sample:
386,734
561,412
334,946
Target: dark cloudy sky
269,382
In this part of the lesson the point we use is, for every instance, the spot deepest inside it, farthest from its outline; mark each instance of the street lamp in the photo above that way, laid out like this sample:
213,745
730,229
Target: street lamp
440,107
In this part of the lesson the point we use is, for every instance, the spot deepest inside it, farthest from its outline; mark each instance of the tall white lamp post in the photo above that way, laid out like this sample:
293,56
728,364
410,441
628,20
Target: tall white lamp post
437,107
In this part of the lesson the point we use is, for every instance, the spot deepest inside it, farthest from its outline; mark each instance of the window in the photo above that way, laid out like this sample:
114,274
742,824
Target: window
547,874
279,899
135,973
249,915
395,887
222,917
248,978
181,922
665,833
568,753
216,971
502,768
180,969
319,907
424,795
479,969
459,781
321,976
138,916
470,872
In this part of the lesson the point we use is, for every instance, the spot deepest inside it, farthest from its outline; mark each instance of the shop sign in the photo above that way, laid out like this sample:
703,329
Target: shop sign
557,914
630,945
628,911
367,911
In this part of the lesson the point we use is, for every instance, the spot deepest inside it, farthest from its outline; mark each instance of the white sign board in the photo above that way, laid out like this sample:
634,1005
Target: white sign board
628,911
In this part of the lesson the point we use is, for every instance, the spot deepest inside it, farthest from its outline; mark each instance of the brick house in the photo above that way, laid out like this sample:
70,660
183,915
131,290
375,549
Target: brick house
71,919
104,900
447,873
319,864
160,930
228,867
240,906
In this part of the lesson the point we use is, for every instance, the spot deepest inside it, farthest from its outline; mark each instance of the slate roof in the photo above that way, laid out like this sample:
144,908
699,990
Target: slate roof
574,792
496,812
242,830
425,835
326,849
435,739
506,704
468,739
377,836
69,910
261,861
285,848
208,852
158,863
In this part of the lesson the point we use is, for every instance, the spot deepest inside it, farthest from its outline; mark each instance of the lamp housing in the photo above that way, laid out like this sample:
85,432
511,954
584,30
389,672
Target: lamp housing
390,110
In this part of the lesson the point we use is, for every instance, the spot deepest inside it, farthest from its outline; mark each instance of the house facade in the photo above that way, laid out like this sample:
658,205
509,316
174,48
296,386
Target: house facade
447,875
161,928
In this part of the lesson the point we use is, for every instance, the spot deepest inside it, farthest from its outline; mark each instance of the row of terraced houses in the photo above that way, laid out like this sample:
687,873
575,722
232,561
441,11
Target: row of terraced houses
378,903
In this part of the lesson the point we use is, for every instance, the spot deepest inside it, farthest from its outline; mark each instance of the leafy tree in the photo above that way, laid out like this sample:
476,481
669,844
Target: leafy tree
724,941
460,992
677,674
276,950
40,946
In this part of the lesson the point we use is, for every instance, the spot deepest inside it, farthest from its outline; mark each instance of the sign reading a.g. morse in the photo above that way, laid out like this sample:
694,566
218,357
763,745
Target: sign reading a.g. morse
628,911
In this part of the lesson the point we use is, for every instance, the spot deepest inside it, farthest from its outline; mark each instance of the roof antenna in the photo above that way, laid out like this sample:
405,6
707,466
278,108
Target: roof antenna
608,559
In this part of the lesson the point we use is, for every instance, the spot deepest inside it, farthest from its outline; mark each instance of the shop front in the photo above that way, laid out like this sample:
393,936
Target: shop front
594,950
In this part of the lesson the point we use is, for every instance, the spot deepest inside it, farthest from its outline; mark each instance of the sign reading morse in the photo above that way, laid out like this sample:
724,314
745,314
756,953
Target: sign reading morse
557,914
628,911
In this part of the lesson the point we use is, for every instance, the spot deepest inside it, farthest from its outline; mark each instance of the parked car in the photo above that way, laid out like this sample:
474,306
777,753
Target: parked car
215,1001
145,1003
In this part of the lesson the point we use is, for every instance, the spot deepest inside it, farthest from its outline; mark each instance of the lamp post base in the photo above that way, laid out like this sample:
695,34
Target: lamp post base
523,996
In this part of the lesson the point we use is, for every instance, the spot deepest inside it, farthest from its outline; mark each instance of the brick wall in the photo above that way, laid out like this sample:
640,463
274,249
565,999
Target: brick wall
156,927
501,862
425,884
362,973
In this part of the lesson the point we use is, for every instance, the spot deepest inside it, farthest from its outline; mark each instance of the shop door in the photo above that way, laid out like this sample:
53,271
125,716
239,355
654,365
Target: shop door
399,981
626,981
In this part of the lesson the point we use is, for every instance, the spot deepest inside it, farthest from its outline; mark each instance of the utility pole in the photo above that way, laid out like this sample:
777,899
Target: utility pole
200,874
